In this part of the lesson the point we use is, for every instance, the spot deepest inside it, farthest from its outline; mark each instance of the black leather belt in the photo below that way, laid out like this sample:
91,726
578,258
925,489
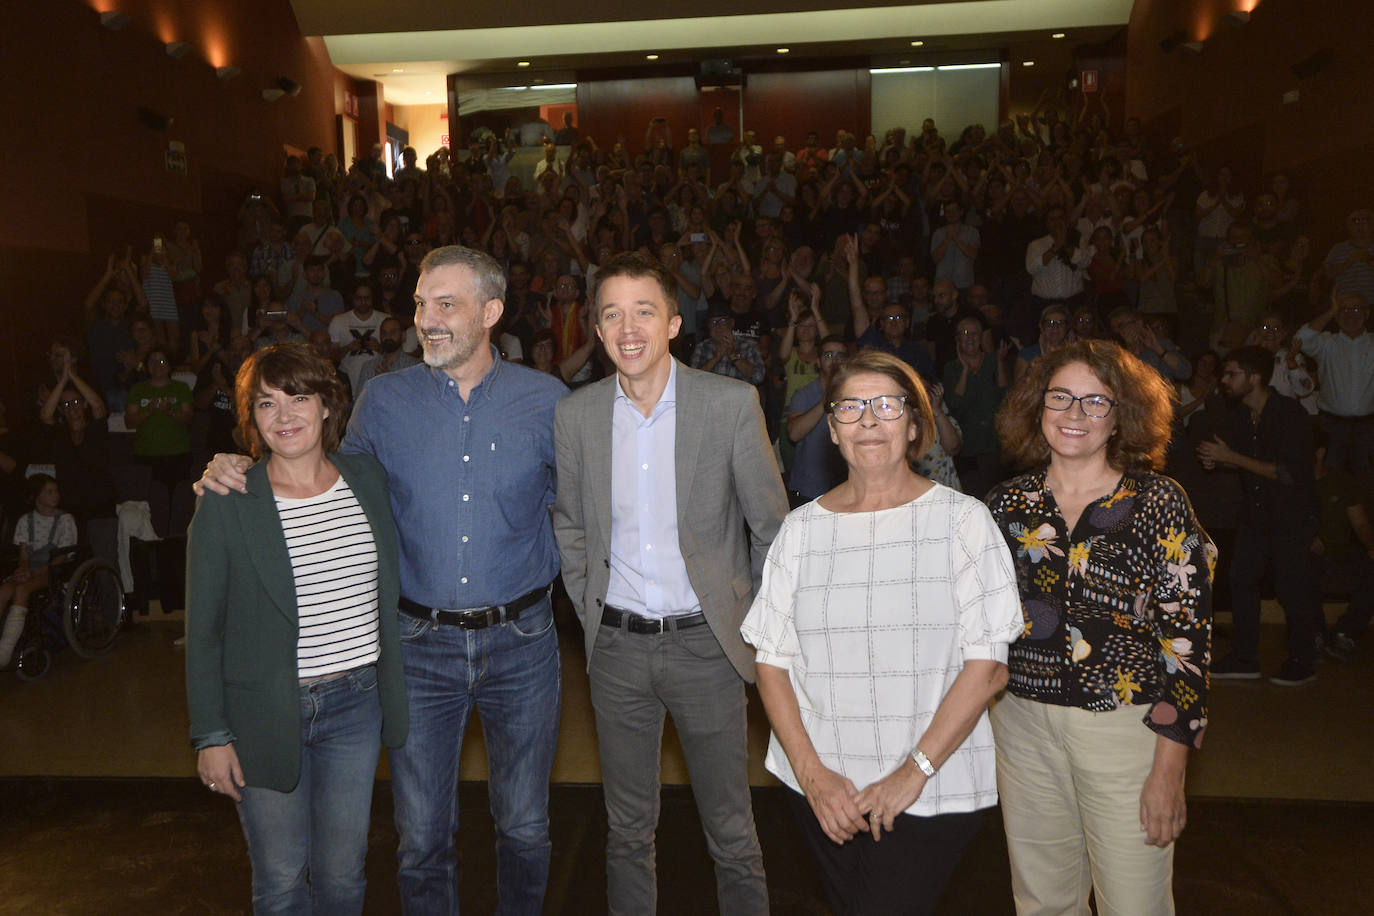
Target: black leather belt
474,618
635,623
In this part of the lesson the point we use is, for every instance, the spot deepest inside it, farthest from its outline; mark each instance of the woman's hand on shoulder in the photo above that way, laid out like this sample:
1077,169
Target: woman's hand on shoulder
219,770
833,799
890,796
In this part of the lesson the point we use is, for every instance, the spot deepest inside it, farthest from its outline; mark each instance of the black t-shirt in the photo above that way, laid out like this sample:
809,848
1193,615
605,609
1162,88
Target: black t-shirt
88,489
752,324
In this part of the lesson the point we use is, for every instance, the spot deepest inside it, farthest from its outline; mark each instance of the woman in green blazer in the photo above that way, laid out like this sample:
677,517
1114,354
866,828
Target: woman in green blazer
293,669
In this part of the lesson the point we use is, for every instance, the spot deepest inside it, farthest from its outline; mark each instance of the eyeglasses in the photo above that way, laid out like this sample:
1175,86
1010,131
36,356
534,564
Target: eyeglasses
835,355
415,241
717,322
1271,327
72,402
970,332
884,407
159,361
893,318
1096,406
1053,323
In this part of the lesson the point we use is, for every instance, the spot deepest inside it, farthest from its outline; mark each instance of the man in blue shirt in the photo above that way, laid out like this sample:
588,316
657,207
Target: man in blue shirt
659,469
467,443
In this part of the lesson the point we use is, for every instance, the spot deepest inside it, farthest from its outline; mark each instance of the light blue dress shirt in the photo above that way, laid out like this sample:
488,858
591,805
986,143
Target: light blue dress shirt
648,574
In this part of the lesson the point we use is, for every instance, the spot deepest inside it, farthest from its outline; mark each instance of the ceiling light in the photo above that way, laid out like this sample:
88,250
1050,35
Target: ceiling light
227,73
522,63
178,49
1028,63
651,57
556,86
428,92
398,69
901,70
918,44
114,20
1057,35
968,66
784,50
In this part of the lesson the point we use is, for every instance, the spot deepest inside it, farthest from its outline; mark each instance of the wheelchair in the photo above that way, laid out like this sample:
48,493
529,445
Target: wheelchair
82,607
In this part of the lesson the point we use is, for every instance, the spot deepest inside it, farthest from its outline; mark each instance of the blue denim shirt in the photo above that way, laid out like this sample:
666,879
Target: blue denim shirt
471,482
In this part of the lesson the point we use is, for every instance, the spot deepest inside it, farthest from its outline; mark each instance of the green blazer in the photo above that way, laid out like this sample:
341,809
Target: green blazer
242,625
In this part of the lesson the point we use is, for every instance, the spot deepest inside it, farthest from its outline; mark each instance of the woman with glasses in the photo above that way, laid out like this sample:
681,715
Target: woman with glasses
1108,686
882,628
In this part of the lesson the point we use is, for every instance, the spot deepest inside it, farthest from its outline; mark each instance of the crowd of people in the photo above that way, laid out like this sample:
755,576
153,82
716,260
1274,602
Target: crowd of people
965,363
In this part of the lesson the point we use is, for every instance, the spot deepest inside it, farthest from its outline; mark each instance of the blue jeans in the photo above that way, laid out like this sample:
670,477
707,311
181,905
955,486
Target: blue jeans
511,674
308,846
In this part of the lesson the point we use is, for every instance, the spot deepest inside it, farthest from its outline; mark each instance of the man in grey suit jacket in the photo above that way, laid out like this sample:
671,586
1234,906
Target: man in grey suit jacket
659,470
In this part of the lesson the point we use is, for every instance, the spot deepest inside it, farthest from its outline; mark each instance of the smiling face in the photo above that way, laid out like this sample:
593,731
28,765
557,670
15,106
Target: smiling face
290,425
453,326
872,443
635,323
1072,434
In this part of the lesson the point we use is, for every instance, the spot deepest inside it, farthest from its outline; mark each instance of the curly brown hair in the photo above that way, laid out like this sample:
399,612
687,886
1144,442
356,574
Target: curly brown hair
295,369
906,382
1144,407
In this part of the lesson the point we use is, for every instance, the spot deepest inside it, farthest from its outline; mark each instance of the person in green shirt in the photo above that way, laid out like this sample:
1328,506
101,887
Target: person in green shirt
159,412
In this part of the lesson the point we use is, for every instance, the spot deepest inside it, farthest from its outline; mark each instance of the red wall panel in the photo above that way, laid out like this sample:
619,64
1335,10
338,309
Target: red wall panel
608,110
792,104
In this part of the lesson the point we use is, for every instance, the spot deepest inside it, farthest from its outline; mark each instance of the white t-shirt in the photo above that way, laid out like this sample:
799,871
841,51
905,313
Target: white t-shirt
873,615
344,329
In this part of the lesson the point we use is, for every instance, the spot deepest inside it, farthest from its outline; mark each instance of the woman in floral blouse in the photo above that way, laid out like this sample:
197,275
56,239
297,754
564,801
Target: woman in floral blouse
1108,682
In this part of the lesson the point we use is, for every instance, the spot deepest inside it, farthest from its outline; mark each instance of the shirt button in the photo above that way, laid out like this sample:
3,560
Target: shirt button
465,539
644,467
465,457
465,497
466,419
450,383
464,580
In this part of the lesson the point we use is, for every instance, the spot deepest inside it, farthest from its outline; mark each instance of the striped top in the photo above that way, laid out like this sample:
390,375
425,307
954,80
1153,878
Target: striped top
334,561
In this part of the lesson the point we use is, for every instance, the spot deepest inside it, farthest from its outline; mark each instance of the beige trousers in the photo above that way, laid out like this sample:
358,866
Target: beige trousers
1070,783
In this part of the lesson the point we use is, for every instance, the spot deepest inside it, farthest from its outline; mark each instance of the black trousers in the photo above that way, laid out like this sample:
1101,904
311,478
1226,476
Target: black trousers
1286,549
902,875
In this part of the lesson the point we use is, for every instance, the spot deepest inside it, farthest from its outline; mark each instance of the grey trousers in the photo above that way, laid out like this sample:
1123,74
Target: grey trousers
635,679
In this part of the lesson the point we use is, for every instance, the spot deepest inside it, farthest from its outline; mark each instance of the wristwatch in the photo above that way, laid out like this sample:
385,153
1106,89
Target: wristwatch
923,763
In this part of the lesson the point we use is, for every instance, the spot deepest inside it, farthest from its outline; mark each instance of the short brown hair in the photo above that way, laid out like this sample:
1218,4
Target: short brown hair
1144,407
295,369
637,265
908,383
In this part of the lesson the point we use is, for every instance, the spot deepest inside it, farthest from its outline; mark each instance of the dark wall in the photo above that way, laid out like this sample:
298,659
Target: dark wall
1229,99
620,109
85,176
791,104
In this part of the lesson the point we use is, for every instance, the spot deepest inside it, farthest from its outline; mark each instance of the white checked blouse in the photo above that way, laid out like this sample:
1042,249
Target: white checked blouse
873,615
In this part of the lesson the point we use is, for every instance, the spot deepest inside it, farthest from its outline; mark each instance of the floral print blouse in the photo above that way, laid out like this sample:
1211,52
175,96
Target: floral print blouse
1117,612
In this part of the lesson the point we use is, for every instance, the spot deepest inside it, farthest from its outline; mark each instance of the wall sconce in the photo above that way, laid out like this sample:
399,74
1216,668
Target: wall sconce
227,73
271,95
153,120
1192,47
178,49
288,86
114,20
1239,17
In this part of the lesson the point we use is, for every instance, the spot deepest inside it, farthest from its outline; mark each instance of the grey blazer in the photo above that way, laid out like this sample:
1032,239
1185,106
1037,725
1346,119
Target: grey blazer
726,476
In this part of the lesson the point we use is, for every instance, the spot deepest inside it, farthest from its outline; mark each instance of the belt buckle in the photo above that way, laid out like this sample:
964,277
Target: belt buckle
646,626
477,620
